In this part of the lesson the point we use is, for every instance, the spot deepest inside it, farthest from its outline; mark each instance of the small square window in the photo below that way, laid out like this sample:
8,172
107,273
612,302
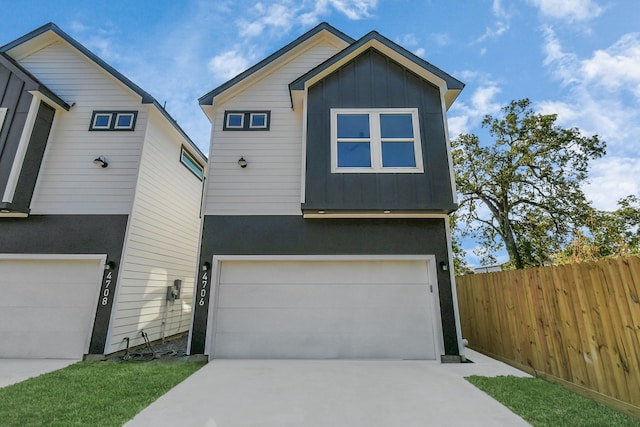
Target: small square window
124,120
235,120
258,121
113,120
102,121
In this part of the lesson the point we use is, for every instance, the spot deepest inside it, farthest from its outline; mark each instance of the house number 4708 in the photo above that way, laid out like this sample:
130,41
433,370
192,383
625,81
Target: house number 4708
107,289
204,281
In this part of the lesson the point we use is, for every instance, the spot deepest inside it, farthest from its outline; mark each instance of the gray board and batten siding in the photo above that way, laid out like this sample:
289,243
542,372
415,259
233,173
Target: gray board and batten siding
294,235
71,234
358,84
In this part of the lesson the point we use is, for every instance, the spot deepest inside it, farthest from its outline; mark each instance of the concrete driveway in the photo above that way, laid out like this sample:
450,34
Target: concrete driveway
16,370
282,393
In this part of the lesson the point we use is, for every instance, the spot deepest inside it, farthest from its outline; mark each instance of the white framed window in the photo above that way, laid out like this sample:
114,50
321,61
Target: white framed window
258,120
101,121
192,164
376,141
113,120
234,121
124,121
247,120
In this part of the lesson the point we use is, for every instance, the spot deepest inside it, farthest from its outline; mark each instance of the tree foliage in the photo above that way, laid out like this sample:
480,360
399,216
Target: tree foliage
606,234
523,191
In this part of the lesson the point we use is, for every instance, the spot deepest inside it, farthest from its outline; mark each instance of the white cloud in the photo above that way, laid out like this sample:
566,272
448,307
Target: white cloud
603,97
441,39
228,64
568,10
501,25
465,116
274,17
420,52
352,9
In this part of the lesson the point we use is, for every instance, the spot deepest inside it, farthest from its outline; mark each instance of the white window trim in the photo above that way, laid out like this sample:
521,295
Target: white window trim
229,126
266,121
94,125
3,114
376,140
131,123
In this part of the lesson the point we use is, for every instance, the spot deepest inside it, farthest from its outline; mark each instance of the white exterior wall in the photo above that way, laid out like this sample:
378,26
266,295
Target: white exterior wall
271,183
69,182
162,242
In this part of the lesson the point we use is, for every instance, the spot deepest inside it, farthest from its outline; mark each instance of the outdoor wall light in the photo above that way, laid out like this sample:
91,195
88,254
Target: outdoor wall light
206,266
101,161
110,265
242,162
444,266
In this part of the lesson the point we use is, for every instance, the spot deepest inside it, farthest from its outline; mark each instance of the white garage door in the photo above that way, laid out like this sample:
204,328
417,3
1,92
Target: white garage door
47,307
324,309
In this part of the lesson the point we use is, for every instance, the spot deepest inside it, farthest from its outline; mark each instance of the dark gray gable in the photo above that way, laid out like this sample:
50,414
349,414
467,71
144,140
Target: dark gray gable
146,97
31,82
208,98
452,83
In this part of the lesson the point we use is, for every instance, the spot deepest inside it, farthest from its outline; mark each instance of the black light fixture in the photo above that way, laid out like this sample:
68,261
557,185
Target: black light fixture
242,162
101,161
444,266
206,266
110,265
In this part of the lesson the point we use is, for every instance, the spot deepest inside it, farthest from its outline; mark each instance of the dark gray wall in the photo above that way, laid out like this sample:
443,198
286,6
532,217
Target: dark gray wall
293,235
70,234
374,81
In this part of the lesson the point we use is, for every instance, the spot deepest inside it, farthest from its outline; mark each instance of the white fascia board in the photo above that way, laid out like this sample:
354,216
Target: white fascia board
21,151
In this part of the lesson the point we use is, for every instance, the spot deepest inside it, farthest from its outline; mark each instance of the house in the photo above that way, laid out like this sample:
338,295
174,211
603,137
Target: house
325,230
99,217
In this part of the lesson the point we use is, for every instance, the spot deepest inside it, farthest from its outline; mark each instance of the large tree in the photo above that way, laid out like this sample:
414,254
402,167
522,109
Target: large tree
523,191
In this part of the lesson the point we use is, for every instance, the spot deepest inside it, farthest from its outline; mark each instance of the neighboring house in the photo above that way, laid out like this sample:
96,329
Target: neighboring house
325,231
101,193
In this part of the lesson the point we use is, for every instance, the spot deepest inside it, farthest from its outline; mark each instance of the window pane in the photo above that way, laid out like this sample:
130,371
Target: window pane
235,120
124,121
396,126
353,126
258,120
398,155
354,155
102,120
191,164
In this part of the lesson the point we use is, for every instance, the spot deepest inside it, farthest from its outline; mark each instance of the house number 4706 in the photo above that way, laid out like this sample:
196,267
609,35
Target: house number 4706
204,281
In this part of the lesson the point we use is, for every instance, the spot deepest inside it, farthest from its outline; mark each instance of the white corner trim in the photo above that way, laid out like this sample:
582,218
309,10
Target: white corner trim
454,293
303,163
452,175
3,114
12,181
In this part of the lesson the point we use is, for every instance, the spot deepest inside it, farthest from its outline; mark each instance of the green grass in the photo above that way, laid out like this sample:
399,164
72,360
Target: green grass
90,393
545,404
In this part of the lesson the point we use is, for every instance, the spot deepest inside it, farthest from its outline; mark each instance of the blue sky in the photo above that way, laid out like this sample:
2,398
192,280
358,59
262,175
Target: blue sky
577,58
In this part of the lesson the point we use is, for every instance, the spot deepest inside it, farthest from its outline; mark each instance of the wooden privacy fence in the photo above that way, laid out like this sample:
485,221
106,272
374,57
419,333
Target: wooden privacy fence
577,324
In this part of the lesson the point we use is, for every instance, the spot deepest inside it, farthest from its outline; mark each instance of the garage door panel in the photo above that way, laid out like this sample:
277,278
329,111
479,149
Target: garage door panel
323,295
47,319
301,272
327,345
288,320
56,345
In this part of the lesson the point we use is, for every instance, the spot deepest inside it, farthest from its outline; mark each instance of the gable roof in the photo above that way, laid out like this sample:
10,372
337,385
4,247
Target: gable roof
207,99
390,49
32,82
32,38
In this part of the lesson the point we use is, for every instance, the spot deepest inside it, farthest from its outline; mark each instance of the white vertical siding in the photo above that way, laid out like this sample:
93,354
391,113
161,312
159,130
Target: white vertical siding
162,242
270,185
69,183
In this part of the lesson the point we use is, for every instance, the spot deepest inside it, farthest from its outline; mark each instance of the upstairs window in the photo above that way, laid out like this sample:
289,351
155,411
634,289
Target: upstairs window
192,164
246,120
113,120
375,141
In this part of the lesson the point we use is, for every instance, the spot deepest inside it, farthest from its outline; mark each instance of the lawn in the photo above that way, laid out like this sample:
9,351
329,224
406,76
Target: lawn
90,393
544,404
